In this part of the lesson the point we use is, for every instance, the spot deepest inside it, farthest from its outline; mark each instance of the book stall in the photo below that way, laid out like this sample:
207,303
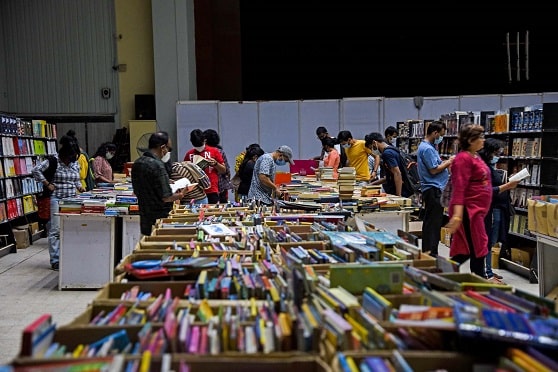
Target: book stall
249,287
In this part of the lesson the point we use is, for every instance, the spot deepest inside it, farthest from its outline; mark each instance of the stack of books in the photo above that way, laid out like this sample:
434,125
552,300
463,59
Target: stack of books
346,183
326,174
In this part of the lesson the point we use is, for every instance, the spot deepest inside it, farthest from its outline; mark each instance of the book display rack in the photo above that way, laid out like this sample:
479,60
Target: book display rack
22,144
293,296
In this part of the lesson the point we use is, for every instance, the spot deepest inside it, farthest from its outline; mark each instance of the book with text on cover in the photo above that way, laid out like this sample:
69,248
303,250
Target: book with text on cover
200,161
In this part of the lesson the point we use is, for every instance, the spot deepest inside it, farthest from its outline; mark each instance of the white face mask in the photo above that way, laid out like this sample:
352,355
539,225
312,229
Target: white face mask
166,157
200,149
109,155
393,141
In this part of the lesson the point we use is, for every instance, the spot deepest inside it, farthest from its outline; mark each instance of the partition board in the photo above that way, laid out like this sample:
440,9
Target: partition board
238,124
434,107
398,109
480,103
279,126
314,114
192,115
520,100
361,116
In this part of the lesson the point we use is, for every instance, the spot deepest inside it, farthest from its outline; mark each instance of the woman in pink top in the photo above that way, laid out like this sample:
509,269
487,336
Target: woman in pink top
470,201
101,167
332,157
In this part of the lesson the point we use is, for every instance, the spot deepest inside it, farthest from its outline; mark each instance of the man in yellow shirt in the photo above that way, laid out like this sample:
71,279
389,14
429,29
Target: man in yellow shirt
357,155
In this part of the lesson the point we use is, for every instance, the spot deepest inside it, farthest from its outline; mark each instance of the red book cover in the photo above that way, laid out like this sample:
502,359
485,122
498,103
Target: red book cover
32,333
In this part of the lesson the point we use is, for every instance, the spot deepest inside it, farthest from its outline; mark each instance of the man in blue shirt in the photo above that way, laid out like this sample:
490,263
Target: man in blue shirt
434,175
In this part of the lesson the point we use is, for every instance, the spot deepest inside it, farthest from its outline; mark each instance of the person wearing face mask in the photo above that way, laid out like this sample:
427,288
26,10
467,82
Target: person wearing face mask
357,155
63,171
391,134
151,183
262,187
101,165
392,165
215,159
332,159
497,221
322,133
434,176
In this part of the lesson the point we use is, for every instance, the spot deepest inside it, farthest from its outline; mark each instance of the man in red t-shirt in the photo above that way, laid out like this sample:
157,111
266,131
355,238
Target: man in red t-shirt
214,166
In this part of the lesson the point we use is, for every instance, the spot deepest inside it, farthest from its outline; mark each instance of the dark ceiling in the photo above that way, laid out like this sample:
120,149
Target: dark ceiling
317,49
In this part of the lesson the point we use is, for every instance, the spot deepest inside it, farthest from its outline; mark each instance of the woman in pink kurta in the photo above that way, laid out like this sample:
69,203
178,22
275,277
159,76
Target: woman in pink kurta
470,201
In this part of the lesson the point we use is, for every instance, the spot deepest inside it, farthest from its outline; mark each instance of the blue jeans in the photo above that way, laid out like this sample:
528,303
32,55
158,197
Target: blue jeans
493,238
201,201
53,227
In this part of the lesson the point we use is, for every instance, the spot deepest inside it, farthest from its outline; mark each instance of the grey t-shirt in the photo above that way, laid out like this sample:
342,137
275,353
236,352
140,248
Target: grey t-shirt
264,165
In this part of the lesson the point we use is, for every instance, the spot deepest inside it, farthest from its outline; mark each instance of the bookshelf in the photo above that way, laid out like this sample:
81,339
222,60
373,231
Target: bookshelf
22,144
530,135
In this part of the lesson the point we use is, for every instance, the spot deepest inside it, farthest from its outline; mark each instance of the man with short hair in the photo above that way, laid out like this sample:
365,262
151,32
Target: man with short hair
357,155
392,166
391,135
263,187
215,159
434,175
151,182
322,133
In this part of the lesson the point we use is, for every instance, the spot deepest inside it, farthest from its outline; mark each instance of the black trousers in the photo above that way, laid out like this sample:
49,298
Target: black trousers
478,264
433,220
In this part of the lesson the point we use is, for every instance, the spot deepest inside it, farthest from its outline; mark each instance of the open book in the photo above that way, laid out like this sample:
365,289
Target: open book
180,184
522,174
200,161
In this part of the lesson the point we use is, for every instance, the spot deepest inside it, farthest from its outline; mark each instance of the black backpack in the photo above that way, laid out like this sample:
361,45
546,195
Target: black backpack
410,175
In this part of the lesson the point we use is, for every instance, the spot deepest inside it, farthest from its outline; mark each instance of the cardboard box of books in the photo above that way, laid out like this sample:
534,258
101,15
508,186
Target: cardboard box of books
145,291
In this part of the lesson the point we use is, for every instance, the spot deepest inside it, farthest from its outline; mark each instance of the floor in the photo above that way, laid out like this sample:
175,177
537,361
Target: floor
29,288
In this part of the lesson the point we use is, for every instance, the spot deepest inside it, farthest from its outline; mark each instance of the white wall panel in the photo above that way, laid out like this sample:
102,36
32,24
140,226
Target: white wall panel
279,126
550,97
398,109
520,100
314,114
192,115
361,116
480,103
238,128
433,107
60,57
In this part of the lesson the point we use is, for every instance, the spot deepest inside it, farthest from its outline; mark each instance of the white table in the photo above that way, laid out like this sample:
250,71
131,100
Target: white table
130,233
547,262
87,246
387,220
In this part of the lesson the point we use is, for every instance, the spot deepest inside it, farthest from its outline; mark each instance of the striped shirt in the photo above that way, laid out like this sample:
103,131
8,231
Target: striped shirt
182,170
66,178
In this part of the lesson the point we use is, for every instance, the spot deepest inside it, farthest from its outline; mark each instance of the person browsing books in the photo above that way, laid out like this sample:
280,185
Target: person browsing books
332,158
151,183
357,155
212,139
63,171
497,220
209,159
101,165
470,201
433,173
392,166
263,187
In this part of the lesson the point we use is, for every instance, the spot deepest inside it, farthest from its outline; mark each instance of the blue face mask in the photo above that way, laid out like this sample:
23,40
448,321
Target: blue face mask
346,146
494,159
438,140
280,162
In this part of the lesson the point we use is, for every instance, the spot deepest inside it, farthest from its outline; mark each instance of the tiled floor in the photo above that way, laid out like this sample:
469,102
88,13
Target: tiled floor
28,288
